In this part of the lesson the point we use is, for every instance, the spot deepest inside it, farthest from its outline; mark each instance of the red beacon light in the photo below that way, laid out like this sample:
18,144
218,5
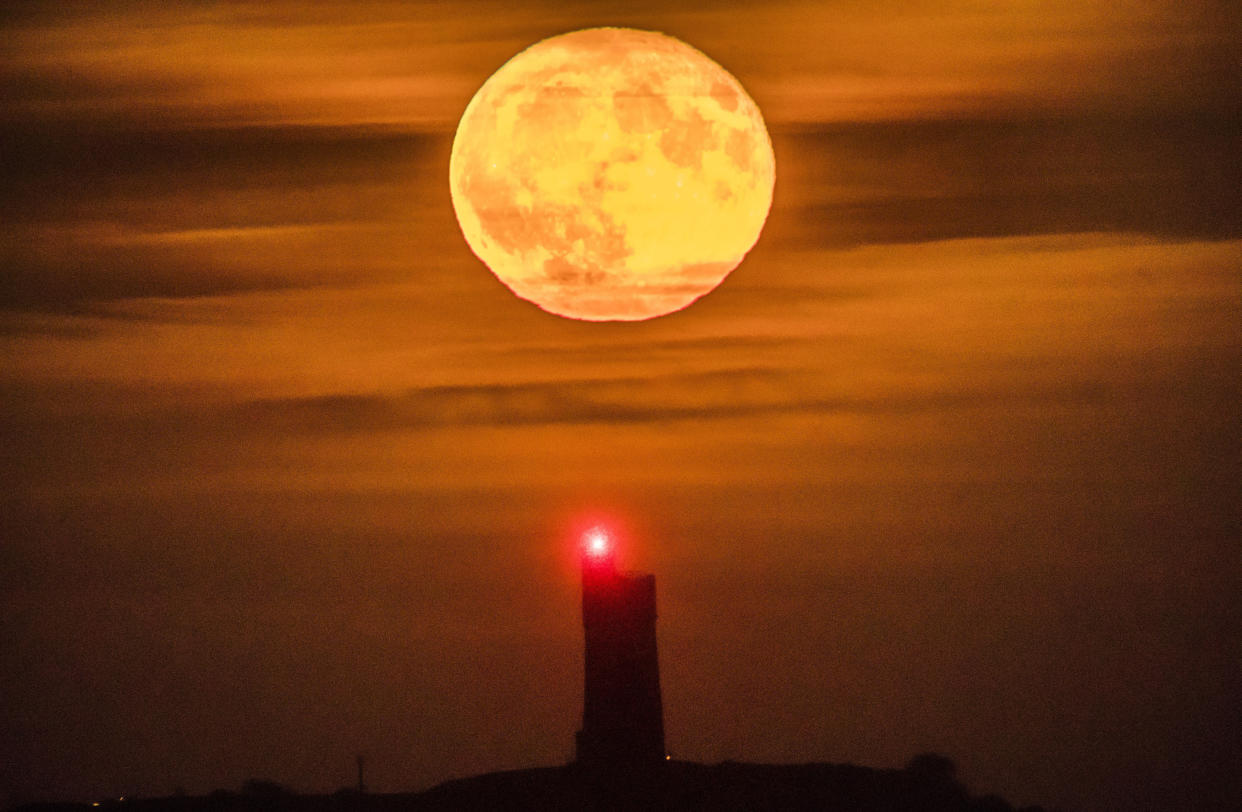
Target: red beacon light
597,552
597,542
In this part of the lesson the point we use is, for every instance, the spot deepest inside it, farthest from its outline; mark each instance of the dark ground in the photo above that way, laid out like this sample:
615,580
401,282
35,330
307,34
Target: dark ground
926,784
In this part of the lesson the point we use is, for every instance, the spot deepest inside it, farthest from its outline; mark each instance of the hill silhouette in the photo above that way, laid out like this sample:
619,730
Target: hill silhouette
926,785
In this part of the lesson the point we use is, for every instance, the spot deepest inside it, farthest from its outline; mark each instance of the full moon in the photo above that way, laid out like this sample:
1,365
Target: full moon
611,174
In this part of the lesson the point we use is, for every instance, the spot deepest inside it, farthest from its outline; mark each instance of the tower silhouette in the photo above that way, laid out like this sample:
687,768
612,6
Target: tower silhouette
622,713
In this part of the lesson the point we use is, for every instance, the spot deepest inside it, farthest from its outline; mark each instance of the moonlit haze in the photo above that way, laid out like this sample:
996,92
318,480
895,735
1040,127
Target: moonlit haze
946,461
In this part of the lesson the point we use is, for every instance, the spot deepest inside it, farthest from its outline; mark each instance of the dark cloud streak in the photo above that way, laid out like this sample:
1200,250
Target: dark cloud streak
1171,176
95,216
117,160
838,185
741,393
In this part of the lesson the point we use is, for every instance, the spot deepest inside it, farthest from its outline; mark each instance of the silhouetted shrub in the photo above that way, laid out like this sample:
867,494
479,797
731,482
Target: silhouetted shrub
993,803
932,765
219,796
259,788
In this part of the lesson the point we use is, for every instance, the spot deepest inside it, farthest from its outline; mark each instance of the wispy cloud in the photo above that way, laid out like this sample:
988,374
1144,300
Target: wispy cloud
196,213
418,63
113,214
913,181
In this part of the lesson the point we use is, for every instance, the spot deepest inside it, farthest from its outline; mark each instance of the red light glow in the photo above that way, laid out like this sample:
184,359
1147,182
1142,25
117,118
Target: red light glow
597,541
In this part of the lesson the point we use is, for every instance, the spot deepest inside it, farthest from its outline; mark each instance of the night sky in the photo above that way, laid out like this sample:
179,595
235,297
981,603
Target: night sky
950,463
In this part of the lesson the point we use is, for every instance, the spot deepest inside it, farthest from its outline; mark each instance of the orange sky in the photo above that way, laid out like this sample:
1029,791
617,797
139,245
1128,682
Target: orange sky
410,64
949,463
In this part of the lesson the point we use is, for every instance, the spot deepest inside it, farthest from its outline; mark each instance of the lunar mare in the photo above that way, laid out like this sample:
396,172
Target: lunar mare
611,174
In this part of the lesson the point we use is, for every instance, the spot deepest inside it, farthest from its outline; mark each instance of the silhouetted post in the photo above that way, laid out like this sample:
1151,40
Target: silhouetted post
361,786
622,713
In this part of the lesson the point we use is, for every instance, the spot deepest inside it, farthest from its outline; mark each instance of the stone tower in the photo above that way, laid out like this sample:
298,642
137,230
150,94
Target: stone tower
622,713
